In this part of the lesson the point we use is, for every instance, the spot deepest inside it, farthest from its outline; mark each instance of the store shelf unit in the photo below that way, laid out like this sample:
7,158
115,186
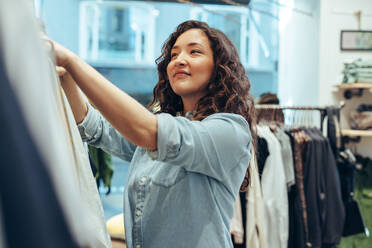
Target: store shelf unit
355,86
350,90
354,89
350,135
356,133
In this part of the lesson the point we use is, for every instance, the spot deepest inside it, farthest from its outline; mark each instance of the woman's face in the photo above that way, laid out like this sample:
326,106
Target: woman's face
191,65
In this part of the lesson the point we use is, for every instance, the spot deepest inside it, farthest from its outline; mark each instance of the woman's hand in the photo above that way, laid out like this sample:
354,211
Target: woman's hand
63,55
124,113
61,71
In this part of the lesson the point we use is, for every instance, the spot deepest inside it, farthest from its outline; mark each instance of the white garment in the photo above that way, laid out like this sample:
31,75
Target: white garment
256,231
51,123
236,225
274,190
287,155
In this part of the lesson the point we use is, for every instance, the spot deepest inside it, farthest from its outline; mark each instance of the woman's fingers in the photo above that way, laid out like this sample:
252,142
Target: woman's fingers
60,71
61,53
47,42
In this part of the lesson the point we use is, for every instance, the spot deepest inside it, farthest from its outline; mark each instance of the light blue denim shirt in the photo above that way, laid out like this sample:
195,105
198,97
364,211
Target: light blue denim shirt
183,194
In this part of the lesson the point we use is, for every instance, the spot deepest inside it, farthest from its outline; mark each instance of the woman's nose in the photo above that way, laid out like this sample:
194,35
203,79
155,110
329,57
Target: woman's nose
180,60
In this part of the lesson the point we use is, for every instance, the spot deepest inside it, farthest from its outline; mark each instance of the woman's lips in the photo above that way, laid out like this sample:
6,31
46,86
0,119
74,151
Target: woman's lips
181,74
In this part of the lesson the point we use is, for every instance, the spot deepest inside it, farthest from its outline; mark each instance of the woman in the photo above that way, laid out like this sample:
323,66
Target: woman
189,159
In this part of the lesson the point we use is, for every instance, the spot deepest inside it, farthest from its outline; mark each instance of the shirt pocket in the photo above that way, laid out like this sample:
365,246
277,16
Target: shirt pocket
168,175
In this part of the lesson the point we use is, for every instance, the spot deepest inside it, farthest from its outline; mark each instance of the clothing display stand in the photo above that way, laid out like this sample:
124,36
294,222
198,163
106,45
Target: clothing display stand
313,160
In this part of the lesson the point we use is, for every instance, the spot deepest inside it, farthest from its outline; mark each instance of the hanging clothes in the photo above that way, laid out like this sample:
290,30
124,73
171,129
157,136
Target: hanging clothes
316,212
256,231
332,130
2,233
332,228
275,197
287,156
236,225
300,139
314,186
242,196
363,194
354,222
103,166
51,123
262,154
32,214
297,234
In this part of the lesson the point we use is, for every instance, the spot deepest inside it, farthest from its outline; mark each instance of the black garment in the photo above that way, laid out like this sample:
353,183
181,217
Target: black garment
329,246
263,153
323,197
325,227
346,169
314,186
354,223
365,172
335,142
335,213
353,220
297,237
32,215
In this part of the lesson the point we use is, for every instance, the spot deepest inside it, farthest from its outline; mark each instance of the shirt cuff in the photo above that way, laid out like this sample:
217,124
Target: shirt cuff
88,127
168,138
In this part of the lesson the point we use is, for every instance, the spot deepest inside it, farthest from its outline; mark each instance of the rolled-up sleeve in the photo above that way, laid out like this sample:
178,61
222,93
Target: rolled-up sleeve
212,147
98,132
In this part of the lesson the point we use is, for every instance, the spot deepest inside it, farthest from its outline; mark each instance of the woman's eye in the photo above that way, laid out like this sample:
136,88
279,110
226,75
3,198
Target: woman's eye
173,55
195,51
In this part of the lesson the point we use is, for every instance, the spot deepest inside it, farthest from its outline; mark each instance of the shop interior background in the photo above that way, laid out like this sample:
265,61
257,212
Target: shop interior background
288,47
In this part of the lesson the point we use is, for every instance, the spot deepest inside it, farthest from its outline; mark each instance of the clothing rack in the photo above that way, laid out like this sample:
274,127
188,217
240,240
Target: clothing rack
275,106
321,109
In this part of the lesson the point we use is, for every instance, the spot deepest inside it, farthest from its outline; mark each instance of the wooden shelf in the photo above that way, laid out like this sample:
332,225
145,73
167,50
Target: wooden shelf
355,86
356,133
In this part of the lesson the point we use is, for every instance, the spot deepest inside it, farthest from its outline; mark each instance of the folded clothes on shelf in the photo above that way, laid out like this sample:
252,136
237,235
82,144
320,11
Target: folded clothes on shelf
364,107
358,71
361,120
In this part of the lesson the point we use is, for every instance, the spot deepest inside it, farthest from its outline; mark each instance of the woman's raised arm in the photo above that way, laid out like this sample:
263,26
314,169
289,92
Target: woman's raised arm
125,114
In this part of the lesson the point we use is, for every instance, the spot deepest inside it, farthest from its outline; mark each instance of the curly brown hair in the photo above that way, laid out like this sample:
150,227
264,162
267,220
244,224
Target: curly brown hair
228,87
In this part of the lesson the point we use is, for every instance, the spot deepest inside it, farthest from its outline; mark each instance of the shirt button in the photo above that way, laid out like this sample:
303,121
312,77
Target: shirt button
138,213
143,179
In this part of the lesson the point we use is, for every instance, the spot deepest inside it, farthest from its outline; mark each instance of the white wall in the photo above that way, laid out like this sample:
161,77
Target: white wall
331,58
310,59
299,54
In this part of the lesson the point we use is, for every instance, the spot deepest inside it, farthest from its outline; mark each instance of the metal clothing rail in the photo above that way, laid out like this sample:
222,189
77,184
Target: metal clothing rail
275,106
322,110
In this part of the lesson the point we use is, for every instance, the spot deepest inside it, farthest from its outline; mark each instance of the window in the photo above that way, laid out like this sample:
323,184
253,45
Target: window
37,7
238,25
117,33
233,21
